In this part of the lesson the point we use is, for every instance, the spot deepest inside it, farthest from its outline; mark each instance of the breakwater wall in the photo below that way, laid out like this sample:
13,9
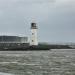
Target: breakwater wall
26,46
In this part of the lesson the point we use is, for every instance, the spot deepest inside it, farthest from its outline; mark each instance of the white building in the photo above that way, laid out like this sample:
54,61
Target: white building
34,39
13,39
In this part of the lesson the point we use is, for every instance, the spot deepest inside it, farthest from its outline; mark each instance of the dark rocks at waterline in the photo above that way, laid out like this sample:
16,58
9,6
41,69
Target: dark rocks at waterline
25,46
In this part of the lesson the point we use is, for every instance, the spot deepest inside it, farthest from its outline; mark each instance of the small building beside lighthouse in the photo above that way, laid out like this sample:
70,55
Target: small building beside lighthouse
34,38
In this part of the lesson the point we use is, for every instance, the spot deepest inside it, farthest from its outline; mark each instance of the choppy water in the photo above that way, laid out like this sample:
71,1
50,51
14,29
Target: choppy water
54,62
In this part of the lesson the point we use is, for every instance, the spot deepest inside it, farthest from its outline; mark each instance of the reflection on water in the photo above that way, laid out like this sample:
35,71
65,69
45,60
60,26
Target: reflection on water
54,62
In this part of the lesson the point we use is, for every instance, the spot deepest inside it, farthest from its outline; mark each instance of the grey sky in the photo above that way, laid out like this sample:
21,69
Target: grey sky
55,18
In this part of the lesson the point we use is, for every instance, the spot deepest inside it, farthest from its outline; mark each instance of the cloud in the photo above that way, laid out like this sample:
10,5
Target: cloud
65,2
54,17
13,14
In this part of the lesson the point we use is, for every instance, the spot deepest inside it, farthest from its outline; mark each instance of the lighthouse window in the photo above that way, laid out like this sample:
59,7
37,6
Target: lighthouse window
32,33
32,41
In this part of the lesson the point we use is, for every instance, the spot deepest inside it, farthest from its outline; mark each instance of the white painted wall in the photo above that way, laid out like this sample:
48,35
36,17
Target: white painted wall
34,39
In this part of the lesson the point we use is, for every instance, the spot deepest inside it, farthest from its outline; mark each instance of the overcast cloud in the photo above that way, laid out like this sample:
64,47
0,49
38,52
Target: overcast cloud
55,18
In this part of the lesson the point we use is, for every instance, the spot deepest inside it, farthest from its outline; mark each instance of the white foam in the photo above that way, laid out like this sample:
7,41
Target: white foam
5,73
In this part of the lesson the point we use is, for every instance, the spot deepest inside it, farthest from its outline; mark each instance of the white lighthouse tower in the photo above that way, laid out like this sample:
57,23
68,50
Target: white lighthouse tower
34,40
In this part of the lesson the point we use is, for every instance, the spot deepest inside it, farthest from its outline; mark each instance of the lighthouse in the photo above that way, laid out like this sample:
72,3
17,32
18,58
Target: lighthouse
34,40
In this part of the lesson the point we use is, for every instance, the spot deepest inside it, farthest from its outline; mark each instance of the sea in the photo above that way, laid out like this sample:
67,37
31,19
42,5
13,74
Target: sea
49,62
